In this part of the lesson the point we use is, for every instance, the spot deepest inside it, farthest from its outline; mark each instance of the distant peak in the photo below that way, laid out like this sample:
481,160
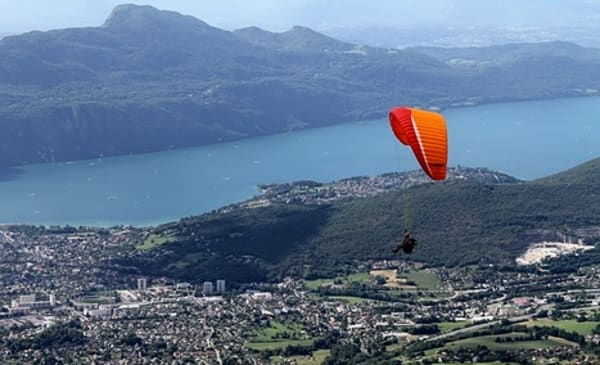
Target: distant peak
132,16
124,12
301,28
134,7
252,29
300,32
304,30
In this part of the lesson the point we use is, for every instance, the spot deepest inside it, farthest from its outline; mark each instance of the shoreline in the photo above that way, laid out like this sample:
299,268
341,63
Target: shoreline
372,118
46,187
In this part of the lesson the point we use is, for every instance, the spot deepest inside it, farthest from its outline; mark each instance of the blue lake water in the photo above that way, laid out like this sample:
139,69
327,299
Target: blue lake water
527,140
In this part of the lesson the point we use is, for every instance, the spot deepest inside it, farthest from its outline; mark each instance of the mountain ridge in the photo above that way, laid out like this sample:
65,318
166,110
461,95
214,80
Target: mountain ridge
171,80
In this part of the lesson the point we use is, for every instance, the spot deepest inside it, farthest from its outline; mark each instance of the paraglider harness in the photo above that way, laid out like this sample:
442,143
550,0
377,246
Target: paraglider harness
407,245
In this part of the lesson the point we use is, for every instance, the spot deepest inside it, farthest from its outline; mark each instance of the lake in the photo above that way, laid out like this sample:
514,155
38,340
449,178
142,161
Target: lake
526,140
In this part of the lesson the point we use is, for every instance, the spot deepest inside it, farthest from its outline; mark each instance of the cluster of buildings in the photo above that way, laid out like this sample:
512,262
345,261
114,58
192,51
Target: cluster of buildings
63,263
309,192
208,287
27,303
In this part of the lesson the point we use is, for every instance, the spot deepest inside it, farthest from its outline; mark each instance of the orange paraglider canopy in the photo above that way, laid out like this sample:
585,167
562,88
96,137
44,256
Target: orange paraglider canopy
425,132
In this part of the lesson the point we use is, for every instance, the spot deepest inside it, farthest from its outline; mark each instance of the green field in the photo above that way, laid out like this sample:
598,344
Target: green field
276,344
395,346
315,284
489,342
571,325
424,279
99,299
360,277
276,328
349,299
155,240
451,326
317,358
270,337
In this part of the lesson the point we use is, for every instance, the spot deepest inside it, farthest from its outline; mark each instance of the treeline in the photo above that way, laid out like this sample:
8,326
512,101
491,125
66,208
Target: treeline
58,335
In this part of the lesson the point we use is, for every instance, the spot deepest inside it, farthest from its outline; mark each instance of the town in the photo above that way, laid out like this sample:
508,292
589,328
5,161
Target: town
310,192
65,300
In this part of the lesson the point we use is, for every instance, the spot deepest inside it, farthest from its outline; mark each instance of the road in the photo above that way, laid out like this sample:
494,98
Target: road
476,327
210,344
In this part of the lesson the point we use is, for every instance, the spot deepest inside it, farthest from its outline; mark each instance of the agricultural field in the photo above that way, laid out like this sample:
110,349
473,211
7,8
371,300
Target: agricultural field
489,342
392,280
424,279
451,326
278,335
571,325
349,299
155,240
361,277
317,358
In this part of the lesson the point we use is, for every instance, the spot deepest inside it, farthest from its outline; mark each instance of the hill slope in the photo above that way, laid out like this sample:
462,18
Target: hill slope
149,80
461,221
585,174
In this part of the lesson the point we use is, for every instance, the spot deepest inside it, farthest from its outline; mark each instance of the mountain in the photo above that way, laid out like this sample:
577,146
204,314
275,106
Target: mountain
296,39
475,217
585,174
149,80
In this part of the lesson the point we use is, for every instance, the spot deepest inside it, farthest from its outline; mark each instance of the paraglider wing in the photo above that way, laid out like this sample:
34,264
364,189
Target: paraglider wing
425,132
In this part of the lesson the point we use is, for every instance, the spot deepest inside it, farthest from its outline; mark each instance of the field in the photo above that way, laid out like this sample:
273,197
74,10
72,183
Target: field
571,325
155,240
391,279
360,277
276,344
317,358
276,329
349,299
450,326
424,279
489,342
278,335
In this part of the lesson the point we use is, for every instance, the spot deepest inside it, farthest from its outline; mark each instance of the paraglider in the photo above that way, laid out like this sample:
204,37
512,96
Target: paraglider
407,245
425,132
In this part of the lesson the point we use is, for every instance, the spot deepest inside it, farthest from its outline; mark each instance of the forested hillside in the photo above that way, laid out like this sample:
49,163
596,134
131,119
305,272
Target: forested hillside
149,80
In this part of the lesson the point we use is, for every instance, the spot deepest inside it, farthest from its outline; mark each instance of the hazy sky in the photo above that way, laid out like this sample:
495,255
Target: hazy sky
23,15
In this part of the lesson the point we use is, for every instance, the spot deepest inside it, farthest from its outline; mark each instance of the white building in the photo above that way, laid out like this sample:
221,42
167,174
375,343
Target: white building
220,286
28,302
207,288
27,298
141,284
103,311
